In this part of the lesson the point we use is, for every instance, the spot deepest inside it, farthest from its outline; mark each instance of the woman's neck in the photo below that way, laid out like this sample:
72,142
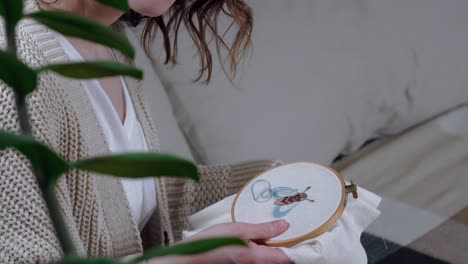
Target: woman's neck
90,9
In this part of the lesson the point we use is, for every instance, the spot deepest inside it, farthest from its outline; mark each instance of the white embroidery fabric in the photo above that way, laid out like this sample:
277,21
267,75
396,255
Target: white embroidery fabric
339,245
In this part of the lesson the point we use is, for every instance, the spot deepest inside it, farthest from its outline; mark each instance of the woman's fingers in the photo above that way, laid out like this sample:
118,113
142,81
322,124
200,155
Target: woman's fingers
270,255
262,232
237,255
226,255
230,255
256,232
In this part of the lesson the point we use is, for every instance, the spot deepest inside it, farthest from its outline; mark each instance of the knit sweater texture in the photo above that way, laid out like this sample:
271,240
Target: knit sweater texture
94,207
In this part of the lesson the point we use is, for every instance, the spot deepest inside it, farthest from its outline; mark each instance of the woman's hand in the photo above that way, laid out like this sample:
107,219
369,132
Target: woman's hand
254,234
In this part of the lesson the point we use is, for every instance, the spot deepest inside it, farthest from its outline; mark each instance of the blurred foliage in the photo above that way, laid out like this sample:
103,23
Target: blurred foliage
47,164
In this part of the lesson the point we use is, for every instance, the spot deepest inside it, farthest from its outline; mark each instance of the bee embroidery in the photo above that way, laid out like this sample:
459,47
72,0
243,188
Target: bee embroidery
286,199
294,199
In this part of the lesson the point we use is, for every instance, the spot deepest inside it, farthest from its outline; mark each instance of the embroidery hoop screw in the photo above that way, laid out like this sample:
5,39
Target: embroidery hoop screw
352,188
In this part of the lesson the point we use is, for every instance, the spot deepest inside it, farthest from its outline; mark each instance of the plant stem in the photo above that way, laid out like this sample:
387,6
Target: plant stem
60,226
23,117
11,41
47,188
21,106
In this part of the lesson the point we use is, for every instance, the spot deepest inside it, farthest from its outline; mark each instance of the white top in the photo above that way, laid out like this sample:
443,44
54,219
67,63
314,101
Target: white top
126,137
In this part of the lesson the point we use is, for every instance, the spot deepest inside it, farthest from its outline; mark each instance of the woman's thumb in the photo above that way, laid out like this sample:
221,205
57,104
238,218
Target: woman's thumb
268,230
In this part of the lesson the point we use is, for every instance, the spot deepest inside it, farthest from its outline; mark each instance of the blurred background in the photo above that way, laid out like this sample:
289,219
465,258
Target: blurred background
375,88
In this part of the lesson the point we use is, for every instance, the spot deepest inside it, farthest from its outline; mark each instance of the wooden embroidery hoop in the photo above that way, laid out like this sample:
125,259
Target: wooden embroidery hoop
321,229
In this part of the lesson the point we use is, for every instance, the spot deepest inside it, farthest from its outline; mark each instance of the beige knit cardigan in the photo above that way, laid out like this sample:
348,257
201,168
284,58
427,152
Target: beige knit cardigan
95,207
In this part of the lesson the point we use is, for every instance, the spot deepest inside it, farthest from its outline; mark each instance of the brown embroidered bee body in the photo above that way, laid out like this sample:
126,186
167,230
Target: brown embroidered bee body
294,198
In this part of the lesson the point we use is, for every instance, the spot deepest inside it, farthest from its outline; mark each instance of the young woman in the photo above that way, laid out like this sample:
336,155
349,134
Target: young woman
108,216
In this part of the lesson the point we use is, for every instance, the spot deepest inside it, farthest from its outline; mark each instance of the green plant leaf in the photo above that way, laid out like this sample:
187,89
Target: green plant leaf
17,75
79,27
76,260
191,248
117,4
12,11
91,70
41,157
140,165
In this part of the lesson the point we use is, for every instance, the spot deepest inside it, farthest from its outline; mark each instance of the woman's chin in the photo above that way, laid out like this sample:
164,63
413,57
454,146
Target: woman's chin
151,8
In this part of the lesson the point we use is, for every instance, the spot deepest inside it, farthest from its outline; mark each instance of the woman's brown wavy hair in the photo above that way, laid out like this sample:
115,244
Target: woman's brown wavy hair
200,18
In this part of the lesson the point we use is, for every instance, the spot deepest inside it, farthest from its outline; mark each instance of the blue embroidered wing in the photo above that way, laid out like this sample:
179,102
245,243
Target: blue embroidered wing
282,210
265,193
